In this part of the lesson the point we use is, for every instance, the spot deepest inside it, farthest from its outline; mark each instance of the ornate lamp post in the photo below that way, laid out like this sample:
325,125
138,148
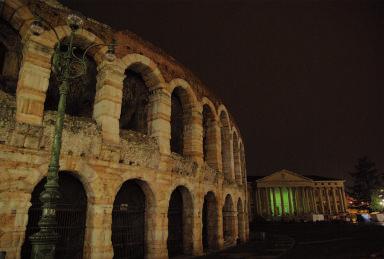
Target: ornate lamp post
66,66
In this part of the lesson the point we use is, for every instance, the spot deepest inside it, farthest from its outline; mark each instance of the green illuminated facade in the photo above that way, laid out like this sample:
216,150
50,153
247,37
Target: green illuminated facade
283,201
287,194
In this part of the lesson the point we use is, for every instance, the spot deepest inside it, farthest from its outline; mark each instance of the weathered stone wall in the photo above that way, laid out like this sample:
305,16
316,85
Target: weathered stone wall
103,156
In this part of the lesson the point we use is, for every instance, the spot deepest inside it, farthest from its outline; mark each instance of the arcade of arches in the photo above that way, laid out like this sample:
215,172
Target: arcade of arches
152,166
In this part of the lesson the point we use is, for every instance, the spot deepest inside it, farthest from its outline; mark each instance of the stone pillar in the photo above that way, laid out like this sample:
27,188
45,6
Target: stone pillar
159,118
258,202
274,202
193,134
241,224
328,201
342,205
268,206
14,217
335,201
33,83
197,227
298,202
290,202
98,241
321,200
314,200
294,201
282,202
344,199
157,232
108,98
220,236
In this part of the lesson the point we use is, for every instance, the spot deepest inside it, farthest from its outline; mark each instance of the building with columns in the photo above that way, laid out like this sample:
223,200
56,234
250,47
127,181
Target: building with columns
285,194
152,165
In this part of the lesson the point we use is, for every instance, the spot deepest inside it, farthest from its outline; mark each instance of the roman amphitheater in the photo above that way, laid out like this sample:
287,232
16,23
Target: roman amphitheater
152,164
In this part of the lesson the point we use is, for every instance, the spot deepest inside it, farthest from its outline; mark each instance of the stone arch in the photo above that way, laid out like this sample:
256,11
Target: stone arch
146,67
210,222
236,157
132,219
184,127
229,227
211,149
241,220
35,70
18,14
180,222
226,147
141,75
71,214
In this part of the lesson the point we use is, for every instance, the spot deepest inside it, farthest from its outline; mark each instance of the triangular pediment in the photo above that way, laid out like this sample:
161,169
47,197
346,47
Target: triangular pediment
284,176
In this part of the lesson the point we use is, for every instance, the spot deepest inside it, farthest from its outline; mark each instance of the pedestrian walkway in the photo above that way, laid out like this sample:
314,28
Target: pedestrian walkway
260,247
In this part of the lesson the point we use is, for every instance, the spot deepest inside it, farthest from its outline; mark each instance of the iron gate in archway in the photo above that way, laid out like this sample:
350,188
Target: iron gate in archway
128,222
70,215
175,224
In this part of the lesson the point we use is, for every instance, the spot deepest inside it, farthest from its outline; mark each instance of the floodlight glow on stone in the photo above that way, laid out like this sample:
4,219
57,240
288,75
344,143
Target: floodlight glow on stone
74,21
110,54
37,28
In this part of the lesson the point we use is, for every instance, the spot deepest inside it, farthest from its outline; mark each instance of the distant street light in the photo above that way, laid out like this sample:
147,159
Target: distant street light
65,65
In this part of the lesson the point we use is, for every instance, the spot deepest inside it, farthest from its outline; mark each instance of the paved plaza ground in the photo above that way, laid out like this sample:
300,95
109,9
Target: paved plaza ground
312,240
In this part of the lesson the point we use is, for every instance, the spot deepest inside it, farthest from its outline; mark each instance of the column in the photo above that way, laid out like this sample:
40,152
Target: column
342,205
97,241
107,107
298,201
274,201
258,203
321,199
290,201
335,201
268,200
159,117
328,201
282,201
314,200
294,194
344,199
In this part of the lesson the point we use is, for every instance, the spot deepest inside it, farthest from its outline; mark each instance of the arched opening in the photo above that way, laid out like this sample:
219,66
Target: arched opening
180,117
180,217
225,146
10,57
236,158
70,215
81,90
228,221
210,222
240,220
209,143
134,107
128,221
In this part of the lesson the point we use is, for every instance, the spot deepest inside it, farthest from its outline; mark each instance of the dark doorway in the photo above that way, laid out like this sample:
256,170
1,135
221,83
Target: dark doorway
134,107
175,224
210,219
71,217
177,121
128,221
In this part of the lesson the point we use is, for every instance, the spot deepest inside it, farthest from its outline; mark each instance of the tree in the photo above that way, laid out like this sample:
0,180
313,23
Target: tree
366,180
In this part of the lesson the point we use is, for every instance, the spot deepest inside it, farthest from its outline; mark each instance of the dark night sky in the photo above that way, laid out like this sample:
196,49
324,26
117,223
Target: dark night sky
303,79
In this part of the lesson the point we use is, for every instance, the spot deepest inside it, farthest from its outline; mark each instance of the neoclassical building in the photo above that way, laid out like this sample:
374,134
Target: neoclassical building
290,195
152,165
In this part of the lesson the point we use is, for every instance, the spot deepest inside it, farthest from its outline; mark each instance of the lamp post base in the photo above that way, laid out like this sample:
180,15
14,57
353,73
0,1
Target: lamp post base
43,245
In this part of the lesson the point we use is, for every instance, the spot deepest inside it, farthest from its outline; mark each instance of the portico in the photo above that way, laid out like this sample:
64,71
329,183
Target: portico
287,194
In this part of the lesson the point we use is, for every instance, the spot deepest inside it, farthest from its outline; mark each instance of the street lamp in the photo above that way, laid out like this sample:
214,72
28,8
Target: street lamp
66,67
